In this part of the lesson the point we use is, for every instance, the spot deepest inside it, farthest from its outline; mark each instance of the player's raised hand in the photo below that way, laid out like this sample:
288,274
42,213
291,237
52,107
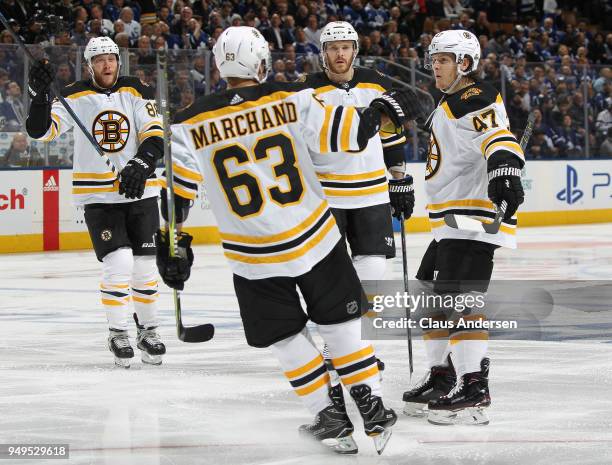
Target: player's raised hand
39,82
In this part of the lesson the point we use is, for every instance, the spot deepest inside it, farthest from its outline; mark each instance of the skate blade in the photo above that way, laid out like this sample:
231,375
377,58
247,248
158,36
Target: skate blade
469,416
345,445
150,359
381,439
414,409
122,362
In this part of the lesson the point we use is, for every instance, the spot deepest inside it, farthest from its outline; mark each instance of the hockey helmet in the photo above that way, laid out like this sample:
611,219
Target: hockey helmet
460,43
240,51
100,46
335,31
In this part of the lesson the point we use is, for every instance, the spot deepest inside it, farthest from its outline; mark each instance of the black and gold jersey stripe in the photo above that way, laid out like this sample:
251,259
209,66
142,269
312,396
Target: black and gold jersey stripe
129,84
469,99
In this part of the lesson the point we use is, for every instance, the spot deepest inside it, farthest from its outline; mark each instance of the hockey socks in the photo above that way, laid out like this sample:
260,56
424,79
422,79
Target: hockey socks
304,368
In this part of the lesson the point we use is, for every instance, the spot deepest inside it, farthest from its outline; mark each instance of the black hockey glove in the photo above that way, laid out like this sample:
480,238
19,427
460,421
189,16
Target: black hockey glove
134,175
504,174
401,196
401,105
40,79
174,270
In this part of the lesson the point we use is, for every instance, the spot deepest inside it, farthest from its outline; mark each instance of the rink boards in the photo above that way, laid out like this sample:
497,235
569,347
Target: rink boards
36,210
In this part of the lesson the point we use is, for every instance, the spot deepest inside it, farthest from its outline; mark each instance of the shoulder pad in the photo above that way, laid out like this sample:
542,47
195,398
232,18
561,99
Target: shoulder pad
472,98
75,88
372,76
145,90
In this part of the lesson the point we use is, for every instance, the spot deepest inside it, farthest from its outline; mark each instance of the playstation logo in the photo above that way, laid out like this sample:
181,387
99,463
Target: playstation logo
571,194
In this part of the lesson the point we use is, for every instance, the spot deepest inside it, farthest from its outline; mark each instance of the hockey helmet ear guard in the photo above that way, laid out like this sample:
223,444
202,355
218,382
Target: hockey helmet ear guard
240,52
460,43
334,32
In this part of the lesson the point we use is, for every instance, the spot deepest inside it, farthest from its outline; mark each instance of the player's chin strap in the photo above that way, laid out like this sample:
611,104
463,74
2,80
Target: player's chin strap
450,89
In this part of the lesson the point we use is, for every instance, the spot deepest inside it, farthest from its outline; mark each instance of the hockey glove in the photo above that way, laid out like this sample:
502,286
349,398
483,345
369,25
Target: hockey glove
174,270
504,174
401,196
134,175
401,105
40,80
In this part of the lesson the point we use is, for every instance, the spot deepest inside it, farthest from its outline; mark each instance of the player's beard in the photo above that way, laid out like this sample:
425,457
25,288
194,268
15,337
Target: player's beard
105,82
339,68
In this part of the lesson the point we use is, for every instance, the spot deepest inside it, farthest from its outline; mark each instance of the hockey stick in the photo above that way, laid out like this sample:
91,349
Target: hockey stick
62,100
471,224
405,270
200,333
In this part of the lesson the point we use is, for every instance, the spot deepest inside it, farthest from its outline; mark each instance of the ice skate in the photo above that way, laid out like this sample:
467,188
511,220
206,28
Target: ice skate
332,426
150,345
377,420
437,382
466,403
119,345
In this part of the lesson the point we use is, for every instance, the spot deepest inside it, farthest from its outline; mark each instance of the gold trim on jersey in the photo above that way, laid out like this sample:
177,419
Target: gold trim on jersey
480,203
352,177
187,194
447,110
287,256
500,133
110,188
187,173
324,138
360,85
273,97
85,93
332,192
80,175
346,129
293,232
511,146
55,125
505,228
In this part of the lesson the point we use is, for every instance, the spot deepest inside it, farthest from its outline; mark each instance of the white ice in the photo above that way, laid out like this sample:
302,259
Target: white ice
222,402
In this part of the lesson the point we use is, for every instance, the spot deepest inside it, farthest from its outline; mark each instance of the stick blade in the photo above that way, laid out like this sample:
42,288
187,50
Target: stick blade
194,334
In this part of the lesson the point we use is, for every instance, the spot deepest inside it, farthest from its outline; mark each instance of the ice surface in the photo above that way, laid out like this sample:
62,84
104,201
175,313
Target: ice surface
223,402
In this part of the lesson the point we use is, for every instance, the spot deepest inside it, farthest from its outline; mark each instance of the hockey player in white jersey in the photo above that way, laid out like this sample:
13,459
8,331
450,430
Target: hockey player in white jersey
250,143
474,164
121,214
356,187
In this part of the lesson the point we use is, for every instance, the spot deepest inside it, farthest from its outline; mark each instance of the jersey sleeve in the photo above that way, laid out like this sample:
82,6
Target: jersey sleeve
186,172
61,122
492,128
146,118
328,128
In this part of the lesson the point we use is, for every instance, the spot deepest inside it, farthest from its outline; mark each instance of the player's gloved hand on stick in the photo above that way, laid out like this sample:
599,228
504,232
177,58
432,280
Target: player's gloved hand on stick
134,175
505,182
39,82
174,270
402,105
401,196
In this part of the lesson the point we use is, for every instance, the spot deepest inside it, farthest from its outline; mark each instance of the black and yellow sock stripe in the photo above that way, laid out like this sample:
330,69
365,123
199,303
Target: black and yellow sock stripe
357,366
309,377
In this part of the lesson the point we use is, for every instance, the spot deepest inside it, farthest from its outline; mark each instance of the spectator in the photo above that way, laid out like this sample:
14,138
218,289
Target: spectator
567,139
79,34
603,123
312,31
132,27
180,25
12,111
541,145
356,15
195,38
452,8
122,40
144,52
64,75
302,46
98,13
275,35
377,14
112,10
20,154
606,148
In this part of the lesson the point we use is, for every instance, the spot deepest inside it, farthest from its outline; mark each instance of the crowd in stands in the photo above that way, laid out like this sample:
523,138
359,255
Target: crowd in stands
552,57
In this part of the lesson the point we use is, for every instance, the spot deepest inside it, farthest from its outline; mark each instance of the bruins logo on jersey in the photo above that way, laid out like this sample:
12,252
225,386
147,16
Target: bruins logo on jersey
434,158
111,130
470,93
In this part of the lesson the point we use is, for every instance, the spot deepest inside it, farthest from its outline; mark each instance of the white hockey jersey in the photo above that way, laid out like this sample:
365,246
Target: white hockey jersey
467,128
251,147
353,180
120,119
